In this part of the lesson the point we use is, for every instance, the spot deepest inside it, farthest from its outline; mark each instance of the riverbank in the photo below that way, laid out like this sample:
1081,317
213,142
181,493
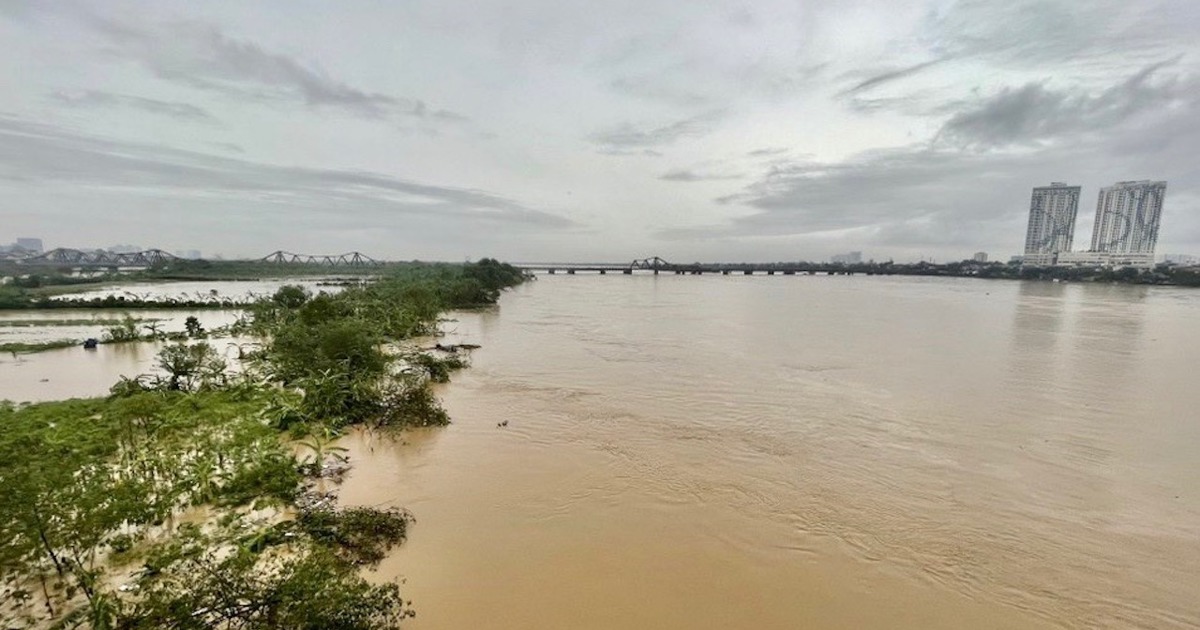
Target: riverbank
91,487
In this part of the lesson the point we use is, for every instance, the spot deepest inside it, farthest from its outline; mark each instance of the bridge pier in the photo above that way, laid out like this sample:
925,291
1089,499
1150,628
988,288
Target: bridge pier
570,272
789,272
748,272
550,271
602,272
770,272
724,272
628,272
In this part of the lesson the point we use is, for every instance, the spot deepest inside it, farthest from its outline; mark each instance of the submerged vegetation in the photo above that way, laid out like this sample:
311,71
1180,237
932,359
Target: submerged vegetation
123,330
188,499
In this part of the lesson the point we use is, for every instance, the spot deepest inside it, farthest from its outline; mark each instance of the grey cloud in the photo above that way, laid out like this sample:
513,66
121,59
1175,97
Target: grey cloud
201,56
889,76
940,196
99,98
767,152
1034,112
628,135
228,146
1031,33
634,152
689,175
40,153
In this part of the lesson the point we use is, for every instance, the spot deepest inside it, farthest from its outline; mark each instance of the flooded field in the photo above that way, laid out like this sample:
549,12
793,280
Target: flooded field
784,452
202,291
75,372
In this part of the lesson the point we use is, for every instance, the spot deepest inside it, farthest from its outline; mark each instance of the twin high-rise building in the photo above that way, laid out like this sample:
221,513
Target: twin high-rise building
1127,217
1124,233
1051,222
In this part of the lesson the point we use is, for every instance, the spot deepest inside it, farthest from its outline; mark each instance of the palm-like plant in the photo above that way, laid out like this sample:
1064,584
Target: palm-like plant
323,448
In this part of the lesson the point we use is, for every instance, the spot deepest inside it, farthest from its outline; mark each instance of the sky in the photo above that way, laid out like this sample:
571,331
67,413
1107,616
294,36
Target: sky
561,130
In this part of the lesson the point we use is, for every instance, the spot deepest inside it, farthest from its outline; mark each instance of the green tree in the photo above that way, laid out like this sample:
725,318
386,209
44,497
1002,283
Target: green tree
191,366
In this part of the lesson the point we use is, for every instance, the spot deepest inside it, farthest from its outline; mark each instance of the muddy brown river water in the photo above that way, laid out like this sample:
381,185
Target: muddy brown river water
804,452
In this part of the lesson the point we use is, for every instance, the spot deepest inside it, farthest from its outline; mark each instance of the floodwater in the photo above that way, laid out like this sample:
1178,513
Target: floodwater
788,452
806,452
207,290
75,372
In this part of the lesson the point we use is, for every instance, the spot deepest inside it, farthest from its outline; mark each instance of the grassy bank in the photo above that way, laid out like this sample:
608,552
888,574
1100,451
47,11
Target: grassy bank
188,499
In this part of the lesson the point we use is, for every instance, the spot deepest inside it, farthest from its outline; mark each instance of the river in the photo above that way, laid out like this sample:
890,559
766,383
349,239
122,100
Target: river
799,452
821,452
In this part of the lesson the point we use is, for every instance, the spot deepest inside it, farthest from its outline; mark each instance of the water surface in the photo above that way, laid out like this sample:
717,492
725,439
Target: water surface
783,452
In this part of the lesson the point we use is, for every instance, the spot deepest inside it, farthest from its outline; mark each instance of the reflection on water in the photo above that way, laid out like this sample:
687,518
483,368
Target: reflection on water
807,452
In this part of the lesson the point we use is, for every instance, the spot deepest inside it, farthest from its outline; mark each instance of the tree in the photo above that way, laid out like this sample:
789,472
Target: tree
193,327
191,366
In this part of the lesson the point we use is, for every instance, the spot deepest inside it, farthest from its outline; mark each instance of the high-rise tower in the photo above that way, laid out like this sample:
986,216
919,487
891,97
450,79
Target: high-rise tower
1127,217
1051,228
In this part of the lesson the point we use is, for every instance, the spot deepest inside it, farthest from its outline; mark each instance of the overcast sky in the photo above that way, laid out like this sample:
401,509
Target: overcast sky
539,130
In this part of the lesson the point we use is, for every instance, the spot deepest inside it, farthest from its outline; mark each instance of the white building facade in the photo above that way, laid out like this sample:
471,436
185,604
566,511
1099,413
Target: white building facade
1051,229
1128,216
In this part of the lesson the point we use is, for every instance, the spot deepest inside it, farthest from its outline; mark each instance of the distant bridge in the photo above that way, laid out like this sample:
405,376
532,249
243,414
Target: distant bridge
65,257
98,258
350,259
656,265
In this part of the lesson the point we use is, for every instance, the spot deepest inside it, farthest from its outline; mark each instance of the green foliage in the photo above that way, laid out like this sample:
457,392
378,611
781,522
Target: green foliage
321,443
438,369
125,330
19,347
360,536
193,328
79,479
87,482
191,367
290,296
409,403
308,589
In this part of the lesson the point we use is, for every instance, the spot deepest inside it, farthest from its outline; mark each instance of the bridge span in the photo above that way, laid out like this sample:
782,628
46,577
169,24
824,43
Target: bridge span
658,265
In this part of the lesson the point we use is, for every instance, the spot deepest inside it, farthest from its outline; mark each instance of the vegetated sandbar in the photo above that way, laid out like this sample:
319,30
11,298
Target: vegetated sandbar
174,502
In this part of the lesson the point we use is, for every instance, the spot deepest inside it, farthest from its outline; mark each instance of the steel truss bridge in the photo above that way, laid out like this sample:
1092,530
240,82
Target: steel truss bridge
350,259
64,257
98,258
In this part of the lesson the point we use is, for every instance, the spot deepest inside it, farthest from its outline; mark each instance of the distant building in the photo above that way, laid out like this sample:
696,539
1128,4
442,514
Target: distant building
1051,228
1127,217
1181,259
1104,259
850,258
980,257
31,245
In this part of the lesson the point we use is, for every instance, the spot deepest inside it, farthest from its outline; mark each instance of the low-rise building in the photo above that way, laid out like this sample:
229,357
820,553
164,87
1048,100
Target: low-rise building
1105,259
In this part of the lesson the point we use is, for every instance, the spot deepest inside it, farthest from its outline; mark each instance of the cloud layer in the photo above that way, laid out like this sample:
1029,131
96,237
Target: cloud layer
695,131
